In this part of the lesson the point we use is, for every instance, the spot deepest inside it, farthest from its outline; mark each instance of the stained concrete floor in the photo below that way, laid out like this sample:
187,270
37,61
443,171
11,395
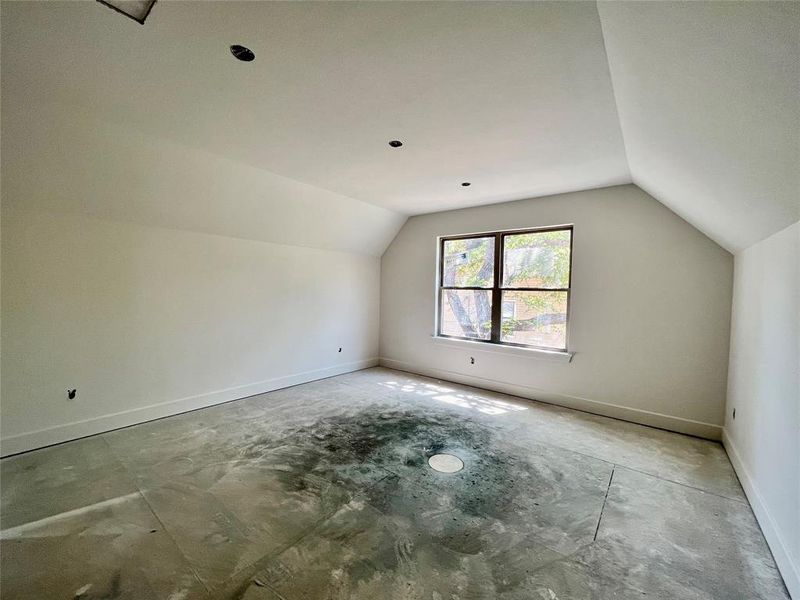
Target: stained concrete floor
323,491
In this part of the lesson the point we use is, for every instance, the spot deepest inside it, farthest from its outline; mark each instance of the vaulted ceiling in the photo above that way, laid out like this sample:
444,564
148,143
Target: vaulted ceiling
697,102
708,96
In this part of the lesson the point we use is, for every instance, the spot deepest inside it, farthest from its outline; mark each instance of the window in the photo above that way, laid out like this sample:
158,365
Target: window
508,287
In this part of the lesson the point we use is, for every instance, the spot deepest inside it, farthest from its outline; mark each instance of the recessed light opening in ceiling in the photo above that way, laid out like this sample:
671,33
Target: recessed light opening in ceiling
242,53
466,184
395,143
135,9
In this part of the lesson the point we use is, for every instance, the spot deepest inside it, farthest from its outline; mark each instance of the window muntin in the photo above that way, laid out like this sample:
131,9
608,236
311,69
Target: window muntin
507,287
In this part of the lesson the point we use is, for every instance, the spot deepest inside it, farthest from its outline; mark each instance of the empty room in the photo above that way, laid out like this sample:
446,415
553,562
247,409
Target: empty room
386,300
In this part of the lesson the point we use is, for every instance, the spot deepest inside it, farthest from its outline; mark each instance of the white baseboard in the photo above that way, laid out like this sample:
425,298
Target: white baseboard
789,568
78,429
624,413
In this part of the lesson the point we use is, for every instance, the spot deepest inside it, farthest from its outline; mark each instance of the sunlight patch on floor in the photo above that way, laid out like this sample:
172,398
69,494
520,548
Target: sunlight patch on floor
484,404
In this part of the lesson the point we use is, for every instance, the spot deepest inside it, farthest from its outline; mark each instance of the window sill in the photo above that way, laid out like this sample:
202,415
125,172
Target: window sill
553,355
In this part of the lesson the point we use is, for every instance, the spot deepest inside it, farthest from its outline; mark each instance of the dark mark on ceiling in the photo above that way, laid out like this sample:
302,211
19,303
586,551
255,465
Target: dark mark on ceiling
242,53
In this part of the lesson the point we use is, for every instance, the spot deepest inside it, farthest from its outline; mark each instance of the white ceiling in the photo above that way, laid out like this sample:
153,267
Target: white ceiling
515,97
708,95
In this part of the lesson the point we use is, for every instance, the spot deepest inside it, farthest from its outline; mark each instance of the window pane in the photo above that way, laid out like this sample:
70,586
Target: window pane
539,319
467,313
536,259
469,263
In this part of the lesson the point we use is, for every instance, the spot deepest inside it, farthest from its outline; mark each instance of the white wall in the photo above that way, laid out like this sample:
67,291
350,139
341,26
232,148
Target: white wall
147,321
763,440
157,278
649,321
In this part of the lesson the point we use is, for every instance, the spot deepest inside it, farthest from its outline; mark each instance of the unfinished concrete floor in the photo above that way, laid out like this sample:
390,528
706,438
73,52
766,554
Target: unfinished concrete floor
324,491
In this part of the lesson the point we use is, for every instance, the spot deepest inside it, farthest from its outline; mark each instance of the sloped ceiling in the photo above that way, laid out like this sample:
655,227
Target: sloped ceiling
521,99
58,159
708,95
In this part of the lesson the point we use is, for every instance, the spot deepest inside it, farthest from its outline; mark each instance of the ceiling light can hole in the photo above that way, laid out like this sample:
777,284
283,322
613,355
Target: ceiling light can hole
243,53
395,143
466,184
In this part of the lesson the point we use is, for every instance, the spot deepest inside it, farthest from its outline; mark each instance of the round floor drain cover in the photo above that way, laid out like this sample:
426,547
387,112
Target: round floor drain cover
445,463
